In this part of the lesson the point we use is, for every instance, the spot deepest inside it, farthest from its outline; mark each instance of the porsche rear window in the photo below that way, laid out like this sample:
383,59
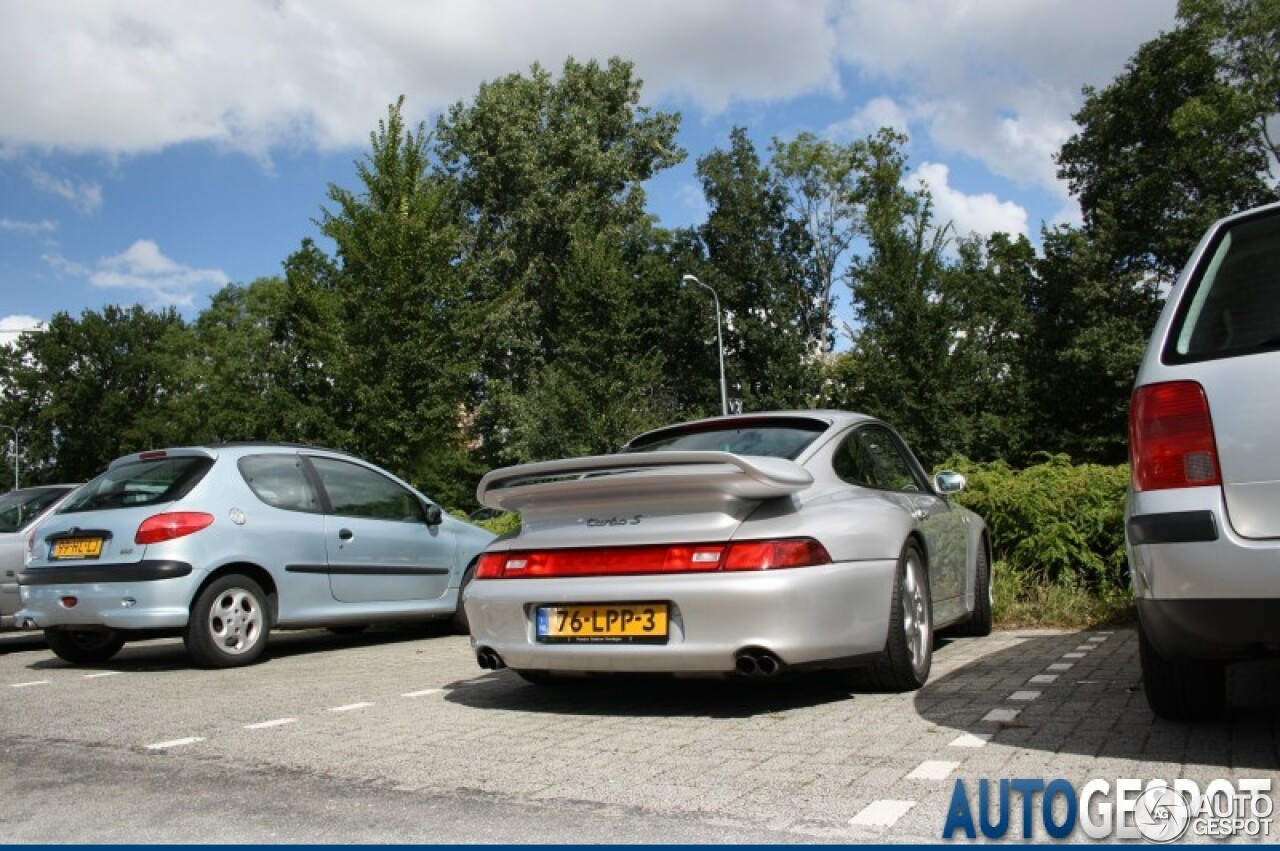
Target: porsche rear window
1232,305
774,438
140,483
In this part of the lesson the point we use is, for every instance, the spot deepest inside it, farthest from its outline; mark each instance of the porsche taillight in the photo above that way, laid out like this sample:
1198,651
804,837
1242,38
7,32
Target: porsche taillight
663,559
1171,441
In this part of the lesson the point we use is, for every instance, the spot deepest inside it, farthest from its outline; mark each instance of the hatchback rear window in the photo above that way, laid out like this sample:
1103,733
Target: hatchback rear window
140,483
774,438
1232,304
19,508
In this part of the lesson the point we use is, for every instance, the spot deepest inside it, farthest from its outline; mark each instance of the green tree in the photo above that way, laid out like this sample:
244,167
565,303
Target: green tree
896,368
584,403
1089,328
1165,149
986,292
406,367
776,315
1244,35
533,161
88,390
262,363
820,180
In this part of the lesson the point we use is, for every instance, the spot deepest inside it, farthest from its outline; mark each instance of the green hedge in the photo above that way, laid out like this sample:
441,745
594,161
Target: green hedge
1055,523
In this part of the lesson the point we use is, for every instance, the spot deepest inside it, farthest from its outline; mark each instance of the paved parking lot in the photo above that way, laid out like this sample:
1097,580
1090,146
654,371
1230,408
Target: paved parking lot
408,727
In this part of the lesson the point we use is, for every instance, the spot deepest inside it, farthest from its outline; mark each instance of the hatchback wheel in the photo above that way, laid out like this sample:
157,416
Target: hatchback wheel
908,652
229,623
1181,691
84,646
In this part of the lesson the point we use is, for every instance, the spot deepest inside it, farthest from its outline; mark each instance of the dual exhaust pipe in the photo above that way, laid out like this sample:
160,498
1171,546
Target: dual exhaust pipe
757,662
489,659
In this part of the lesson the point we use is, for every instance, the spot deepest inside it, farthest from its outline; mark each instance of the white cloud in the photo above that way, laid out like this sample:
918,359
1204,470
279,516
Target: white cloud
981,214
998,80
877,113
13,326
144,268
84,197
132,77
14,226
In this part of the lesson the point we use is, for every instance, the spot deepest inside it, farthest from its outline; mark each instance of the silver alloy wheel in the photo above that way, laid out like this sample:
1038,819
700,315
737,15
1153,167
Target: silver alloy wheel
917,625
235,621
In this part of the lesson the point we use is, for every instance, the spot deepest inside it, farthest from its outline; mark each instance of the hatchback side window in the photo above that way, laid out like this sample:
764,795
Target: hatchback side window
871,457
356,491
279,481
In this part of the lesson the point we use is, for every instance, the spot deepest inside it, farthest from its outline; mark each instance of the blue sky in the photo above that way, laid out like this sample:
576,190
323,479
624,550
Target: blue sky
152,152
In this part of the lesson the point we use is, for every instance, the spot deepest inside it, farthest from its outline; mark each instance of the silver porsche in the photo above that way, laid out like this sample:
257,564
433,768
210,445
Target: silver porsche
748,545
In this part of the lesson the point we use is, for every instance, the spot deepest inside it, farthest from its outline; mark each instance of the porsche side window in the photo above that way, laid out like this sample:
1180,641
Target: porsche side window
871,457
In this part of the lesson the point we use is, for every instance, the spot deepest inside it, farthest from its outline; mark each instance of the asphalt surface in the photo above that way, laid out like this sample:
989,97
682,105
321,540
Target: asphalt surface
397,736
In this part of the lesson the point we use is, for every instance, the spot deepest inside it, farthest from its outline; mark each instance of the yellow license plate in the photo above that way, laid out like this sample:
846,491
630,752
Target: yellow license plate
77,548
634,623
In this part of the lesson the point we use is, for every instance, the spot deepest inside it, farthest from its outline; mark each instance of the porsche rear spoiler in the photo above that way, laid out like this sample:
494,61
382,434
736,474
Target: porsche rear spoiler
629,475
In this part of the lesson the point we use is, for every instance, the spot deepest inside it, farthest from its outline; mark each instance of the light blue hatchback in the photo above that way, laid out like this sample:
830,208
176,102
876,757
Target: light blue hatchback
222,544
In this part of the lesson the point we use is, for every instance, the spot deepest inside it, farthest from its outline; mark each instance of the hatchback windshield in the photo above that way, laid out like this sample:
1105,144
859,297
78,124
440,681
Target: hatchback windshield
19,508
140,483
773,438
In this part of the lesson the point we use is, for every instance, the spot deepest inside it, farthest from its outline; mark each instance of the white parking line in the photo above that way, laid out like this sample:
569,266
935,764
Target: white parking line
174,743
1024,695
1072,655
1059,666
349,707
933,769
970,740
882,813
1086,647
423,693
29,684
101,674
1042,679
276,722
1001,715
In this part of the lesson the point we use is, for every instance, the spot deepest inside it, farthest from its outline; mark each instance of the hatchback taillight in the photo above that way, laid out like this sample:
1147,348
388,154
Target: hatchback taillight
1171,442
174,524
662,559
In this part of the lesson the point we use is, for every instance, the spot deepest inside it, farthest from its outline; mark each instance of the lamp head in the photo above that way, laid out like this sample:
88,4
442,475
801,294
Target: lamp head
689,279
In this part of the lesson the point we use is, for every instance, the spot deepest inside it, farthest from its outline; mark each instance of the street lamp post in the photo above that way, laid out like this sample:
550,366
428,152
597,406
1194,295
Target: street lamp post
15,453
724,390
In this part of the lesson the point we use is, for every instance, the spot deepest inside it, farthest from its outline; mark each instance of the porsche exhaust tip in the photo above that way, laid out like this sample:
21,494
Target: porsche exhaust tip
757,662
489,660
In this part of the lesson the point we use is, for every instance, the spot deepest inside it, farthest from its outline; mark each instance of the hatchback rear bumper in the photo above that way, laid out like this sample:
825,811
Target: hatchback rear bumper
143,596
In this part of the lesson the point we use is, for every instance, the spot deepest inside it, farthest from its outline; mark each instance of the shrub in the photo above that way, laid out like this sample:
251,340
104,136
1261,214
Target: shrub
1057,537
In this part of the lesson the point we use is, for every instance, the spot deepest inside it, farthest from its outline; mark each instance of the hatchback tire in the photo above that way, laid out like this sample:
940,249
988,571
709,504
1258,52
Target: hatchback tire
229,623
1181,691
461,625
908,652
84,646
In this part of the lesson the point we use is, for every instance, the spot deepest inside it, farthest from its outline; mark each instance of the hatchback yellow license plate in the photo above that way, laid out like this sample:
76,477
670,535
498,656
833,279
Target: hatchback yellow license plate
77,548
622,623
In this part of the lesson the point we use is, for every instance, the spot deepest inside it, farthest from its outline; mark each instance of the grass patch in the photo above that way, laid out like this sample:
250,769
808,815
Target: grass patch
1026,600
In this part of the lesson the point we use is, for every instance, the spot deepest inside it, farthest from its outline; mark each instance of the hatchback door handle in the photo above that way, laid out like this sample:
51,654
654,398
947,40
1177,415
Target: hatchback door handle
345,534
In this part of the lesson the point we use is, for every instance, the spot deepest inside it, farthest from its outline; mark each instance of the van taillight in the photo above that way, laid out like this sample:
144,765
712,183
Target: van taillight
634,561
174,524
1171,443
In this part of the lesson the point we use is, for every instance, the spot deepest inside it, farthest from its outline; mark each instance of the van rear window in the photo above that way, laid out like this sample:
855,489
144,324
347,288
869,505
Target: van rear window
140,484
1232,303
